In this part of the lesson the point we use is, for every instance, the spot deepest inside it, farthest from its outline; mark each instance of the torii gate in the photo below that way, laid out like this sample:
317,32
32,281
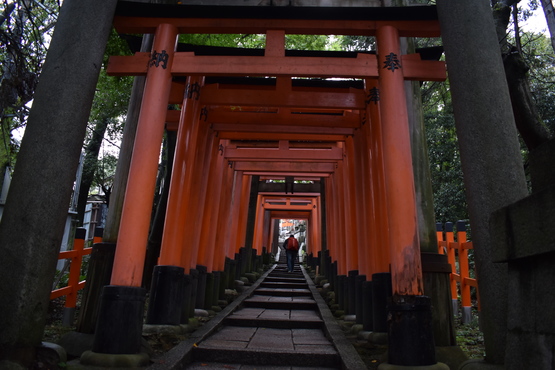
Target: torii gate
381,104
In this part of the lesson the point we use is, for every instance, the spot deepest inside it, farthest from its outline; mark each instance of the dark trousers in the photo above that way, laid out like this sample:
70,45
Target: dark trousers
290,259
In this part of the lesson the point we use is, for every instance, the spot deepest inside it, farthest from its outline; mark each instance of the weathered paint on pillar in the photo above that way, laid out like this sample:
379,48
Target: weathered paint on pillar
406,267
362,170
210,207
234,215
174,232
137,207
381,253
224,220
243,213
198,191
351,205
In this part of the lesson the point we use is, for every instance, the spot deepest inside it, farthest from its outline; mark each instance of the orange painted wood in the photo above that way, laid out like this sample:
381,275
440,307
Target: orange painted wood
139,195
347,119
275,43
231,234
290,26
317,155
365,66
377,201
361,169
294,167
198,192
243,135
314,131
243,213
353,99
224,217
259,224
173,239
352,222
210,209
406,269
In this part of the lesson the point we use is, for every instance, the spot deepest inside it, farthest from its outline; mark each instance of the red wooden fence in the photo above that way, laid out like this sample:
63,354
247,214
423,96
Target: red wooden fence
76,256
457,251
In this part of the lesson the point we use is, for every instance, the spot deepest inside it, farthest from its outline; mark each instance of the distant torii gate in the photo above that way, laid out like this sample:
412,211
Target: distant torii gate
370,120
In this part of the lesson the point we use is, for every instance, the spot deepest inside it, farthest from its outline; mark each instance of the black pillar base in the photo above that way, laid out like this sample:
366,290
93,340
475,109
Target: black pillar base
232,276
410,335
208,291
351,292
98,276
201,287
166,296
367,307
359,312
340,291
120,320
381,292
216,293
188,303
194,288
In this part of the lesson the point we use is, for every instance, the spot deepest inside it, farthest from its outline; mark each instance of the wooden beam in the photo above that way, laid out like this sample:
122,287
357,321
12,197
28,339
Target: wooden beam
348,119
364,66
240,135
297,168
314,131
353,99
284,174
321,155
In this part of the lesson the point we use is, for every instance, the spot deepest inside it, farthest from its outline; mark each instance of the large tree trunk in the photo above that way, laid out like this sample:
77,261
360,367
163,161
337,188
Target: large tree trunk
549,12
157,228
90,165
489,148
527,119
34,216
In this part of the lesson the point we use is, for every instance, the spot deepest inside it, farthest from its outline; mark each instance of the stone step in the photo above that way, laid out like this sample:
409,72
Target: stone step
268,357
289,278
291,303
283,292
269,346
275,324
220,365
283,285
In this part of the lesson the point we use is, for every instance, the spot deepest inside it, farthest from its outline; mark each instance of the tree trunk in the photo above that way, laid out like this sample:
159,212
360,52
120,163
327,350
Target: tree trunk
489,148
124,160
549,12
527,120
90,165
157,228
36,209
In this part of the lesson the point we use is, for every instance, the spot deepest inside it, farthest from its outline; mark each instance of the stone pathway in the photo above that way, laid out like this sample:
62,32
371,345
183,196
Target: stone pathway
280,325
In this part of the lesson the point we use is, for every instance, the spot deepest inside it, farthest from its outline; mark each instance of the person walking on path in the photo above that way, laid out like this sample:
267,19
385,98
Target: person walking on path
291,246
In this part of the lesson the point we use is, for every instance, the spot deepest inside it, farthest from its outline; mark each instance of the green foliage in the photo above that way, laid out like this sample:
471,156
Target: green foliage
445,167
257,41
25,29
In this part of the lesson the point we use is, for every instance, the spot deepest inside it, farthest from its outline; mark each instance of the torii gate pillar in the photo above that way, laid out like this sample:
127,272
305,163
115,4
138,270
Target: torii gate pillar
410,334
119,325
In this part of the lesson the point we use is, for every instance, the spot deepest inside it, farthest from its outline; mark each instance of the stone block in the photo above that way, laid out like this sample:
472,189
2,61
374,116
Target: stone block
541,166
525,228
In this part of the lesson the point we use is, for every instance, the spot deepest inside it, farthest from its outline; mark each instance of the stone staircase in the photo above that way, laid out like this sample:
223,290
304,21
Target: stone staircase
278,325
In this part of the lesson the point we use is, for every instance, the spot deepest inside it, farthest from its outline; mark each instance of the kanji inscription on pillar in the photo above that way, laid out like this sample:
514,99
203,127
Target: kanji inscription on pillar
373,96
158,59
392,62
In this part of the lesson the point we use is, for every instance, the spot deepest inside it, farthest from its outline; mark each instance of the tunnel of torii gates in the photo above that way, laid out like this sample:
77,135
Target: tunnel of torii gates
336,119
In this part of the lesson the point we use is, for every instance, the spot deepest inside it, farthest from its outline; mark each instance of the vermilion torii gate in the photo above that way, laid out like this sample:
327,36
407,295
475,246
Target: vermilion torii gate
261,121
